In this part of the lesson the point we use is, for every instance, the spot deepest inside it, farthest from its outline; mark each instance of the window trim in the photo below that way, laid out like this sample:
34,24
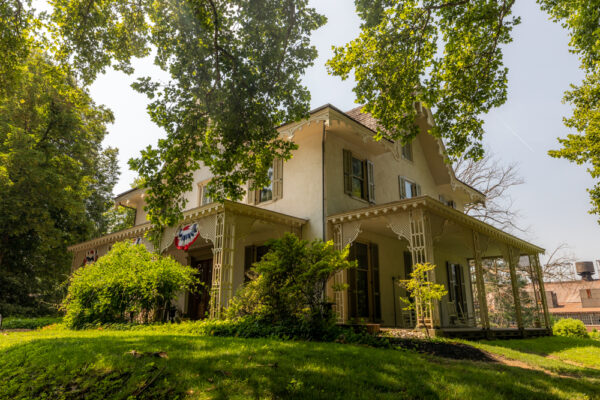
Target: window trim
412,154
402,188
201,187
367,181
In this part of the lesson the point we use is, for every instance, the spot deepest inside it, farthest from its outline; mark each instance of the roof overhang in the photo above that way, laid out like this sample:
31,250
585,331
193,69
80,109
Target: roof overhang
195,214
438,208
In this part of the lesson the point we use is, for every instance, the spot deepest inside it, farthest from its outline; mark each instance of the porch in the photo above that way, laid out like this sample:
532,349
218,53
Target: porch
494,282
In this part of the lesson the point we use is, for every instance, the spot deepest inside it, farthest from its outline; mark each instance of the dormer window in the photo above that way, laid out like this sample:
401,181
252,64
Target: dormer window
408,188
407,152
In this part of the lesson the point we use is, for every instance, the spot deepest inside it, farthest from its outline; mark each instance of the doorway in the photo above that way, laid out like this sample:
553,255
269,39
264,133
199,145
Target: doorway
199,299
363,281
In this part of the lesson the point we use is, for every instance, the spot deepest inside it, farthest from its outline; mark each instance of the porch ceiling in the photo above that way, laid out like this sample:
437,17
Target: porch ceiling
193,215
436,207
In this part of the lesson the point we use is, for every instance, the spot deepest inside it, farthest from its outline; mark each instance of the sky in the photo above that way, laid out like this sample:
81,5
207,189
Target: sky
553,200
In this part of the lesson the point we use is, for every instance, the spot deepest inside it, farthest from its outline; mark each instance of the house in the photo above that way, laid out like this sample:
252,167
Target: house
577,299
394,205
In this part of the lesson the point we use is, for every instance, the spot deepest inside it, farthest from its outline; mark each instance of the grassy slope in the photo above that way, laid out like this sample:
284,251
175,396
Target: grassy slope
94,364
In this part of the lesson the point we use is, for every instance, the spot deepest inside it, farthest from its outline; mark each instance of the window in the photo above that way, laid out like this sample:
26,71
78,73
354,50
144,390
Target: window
359,179
204,196
266,193
456,289
408,188
274,190
449,203
407,152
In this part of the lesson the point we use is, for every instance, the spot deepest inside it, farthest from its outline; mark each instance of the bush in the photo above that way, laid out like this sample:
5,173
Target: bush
289,289
569,327
129,283
28,323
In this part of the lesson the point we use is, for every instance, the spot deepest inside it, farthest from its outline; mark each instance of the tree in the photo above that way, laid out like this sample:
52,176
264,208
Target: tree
235,70
443,54
423,291
495,181
290,284
447,55
559,264
56,181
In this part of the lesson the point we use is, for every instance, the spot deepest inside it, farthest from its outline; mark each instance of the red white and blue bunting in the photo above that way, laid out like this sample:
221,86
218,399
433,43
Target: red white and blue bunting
90,256
186,236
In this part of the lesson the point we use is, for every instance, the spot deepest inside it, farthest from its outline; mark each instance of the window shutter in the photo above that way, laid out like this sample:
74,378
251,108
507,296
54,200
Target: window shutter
402,184
352,296
418,189
277,178
370,182
347,172
375,281
451,281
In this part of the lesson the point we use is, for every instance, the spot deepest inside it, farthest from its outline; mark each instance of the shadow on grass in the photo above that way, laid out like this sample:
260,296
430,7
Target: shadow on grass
545,345
98,367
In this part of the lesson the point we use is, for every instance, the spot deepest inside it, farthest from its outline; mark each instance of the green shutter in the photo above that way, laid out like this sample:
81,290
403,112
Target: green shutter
418,189
347,172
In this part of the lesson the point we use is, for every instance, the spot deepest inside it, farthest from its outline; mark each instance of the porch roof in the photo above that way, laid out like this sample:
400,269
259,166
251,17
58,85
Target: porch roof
194,214
438,208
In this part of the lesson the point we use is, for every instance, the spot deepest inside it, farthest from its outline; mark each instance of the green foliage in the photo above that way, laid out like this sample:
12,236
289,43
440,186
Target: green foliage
397,63
56,180
234,79
423,291
29,323
570,327
119,218
127,283
290,287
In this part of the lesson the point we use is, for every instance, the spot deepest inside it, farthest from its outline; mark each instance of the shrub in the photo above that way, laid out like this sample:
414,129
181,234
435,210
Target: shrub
569,327
289,289
28,323
126,284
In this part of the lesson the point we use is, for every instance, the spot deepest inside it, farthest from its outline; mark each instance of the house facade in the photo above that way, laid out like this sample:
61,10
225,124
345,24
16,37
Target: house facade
394,205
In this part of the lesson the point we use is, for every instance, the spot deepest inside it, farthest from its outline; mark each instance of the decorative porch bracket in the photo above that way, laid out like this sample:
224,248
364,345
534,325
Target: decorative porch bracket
482,297
513,260
343,235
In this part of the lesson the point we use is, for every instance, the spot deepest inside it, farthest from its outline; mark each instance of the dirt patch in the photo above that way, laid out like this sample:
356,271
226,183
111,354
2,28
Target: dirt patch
455,351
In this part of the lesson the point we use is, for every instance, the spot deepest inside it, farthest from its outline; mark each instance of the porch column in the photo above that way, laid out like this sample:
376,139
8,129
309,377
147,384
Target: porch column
513,259
344,233
421,247
538,268
481,295
222,275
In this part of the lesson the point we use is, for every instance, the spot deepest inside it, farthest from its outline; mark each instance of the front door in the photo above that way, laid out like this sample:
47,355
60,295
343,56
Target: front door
199,301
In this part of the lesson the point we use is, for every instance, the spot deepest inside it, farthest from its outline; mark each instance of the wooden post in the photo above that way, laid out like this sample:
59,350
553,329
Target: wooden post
222,275
481,295
338,279
515,287
538,268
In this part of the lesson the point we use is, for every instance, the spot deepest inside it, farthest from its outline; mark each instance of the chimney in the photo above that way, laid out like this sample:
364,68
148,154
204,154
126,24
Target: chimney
585,269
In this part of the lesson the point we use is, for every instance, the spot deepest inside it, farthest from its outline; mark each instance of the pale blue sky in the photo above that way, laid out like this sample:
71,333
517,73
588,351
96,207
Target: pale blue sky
553,201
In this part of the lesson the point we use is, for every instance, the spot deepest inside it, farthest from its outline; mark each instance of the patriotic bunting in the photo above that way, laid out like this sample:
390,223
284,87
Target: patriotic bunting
91,256
186,236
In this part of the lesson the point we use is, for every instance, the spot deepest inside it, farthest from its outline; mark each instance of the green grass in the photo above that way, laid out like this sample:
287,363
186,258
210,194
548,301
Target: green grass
95,364
29,323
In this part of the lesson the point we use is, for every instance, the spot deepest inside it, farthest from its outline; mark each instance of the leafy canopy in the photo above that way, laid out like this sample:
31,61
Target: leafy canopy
56,180
128,282
235,69
445,55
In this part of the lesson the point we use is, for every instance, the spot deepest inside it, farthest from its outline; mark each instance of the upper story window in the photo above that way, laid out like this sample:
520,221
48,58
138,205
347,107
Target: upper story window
204,196
408,188
359,179
274,190
449,203
407,152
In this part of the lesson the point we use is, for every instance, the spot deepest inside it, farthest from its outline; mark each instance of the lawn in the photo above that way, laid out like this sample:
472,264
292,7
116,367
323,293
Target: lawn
97,364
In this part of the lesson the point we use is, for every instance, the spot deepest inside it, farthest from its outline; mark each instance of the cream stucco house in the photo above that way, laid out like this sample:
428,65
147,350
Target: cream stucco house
395,205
